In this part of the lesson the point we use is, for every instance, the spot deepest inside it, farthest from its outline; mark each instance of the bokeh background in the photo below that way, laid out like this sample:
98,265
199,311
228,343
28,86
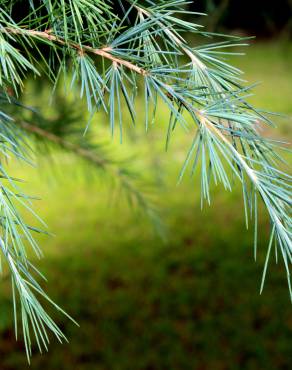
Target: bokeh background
193,301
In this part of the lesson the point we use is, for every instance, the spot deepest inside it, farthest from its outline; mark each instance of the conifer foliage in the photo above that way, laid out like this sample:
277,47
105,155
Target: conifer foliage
115,52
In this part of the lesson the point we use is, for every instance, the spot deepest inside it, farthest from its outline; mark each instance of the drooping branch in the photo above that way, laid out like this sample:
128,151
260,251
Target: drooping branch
74,148
113,169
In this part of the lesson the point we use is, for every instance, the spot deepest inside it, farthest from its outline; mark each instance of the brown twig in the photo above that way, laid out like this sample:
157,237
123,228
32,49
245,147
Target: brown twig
103,52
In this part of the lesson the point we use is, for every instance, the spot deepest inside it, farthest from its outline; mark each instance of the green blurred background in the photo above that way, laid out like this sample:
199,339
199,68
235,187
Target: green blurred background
190,303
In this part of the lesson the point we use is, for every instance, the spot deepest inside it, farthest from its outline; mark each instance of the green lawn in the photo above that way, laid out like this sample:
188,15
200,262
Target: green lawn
190,303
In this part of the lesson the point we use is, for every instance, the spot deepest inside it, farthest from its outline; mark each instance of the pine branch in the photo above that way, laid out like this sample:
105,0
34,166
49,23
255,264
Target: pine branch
110,49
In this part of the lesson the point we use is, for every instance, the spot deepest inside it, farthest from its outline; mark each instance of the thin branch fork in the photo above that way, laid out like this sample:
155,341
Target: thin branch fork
194,59
207,123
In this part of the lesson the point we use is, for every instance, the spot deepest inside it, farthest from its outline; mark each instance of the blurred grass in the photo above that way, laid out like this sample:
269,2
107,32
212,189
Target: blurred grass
190,303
